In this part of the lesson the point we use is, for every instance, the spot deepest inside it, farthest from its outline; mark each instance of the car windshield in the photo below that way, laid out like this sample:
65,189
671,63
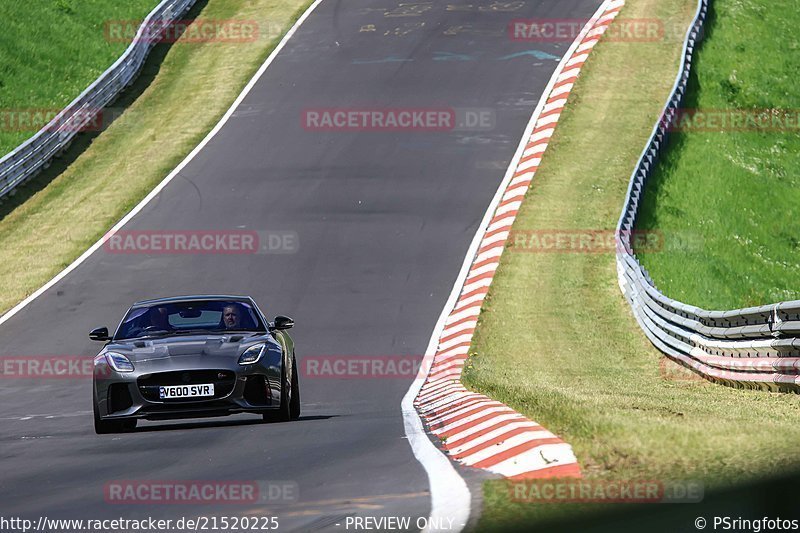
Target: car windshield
197,316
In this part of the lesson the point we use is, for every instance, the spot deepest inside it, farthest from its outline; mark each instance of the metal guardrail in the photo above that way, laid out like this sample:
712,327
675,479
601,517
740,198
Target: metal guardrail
36,153
756,347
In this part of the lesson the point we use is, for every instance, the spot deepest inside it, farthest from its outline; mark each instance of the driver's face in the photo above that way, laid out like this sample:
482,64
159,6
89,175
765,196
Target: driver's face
230,316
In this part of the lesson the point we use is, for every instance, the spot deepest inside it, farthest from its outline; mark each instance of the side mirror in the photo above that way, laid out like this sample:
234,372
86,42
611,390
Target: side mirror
282,322
99,334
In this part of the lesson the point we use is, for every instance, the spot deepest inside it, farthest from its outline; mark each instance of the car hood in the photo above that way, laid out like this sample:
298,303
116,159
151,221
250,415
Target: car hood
143,350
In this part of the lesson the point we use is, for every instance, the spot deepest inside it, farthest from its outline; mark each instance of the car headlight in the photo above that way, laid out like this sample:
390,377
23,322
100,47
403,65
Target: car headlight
252,354
119,362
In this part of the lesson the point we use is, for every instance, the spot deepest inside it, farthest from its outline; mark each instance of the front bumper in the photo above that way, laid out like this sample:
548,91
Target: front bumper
238,388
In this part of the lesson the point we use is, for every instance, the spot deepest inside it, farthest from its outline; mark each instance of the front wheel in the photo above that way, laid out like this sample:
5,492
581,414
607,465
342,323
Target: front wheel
294,401
290,398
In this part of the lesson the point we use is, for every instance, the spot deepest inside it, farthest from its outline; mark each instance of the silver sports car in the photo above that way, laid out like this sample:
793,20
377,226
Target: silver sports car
194,356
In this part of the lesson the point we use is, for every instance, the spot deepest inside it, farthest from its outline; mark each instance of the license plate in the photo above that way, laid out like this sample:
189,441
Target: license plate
185,391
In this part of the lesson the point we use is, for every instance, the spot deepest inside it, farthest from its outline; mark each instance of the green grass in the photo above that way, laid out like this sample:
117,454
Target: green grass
51,50
54,219
735,192
557,341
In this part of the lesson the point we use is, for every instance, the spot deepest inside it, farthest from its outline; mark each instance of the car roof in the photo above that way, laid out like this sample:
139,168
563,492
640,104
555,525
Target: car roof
193,298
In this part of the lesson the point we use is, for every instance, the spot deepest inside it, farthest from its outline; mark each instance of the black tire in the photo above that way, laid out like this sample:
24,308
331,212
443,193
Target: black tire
290,398
104,427
294,402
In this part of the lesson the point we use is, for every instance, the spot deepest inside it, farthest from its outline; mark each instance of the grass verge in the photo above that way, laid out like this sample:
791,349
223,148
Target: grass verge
50,51
557,341
185,89
734,190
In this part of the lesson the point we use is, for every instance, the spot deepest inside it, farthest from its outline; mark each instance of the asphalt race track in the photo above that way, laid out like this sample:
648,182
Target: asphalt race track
383,221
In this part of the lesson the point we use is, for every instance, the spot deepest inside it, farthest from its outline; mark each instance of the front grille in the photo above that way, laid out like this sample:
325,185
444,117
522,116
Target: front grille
223,380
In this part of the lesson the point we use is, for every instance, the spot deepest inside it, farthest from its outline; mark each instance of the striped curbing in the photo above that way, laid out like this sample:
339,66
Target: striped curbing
475,430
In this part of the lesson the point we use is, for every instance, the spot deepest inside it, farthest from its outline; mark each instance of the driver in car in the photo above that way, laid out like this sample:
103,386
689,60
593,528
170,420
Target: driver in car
232,317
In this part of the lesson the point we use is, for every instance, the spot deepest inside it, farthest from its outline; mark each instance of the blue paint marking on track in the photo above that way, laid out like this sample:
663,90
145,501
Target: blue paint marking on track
452,56
538,54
